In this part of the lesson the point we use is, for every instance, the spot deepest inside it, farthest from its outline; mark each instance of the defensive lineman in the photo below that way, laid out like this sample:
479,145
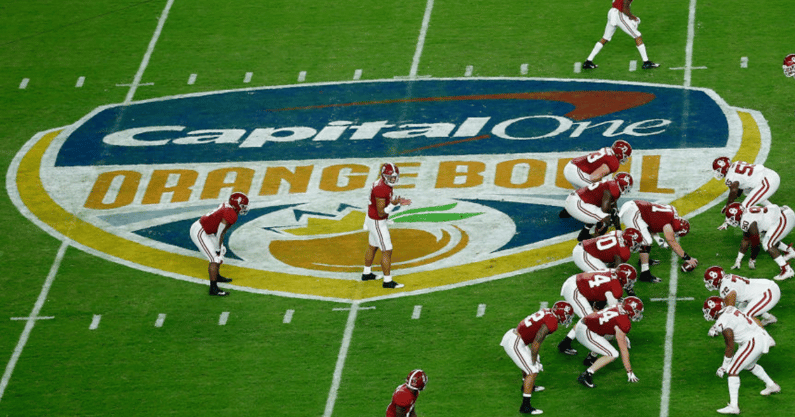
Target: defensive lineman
754,297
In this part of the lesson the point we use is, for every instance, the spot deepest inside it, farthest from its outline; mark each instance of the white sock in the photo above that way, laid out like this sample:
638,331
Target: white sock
760,373
367,270
734,390
572,333
766,316
642,50
780,260
596,49
387,278
644,267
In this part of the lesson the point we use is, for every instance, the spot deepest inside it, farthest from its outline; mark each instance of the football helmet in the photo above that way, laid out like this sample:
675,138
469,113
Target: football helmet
681,226
713,277
720,166
712,307
622,149
417,380
789,65
625,182
734,213
390,173
564,312
239,202
632,239
626,274
633,307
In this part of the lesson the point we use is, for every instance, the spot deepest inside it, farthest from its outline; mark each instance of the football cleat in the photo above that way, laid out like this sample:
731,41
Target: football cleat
650,65
528,409
771,389
589,65
223,279
770,319
730,409
538,388
369,277
586,378
218,292
564,214
568,351
392,285
646,276
786,273
584,235
752,263
589,360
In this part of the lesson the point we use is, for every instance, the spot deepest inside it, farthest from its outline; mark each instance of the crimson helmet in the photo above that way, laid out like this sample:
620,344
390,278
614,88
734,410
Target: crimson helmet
681,226
721,167
734,213
632,239
713,277
624,182
627,275
417,380
239,201
390,173
564,312
633,307
712,307
789,65
622,149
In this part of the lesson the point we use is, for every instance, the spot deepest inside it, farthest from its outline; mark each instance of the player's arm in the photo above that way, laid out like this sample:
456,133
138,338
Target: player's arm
611,300
746,242
670,237
627,11
535,346
623,349
734,192
599,173
730,299
220,234
380,206
728,337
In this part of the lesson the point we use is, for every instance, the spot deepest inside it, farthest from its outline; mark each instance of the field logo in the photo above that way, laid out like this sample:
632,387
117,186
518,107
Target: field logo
482,160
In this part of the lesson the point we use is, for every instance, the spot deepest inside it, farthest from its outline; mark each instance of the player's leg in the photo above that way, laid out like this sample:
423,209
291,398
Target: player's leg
597,345
610,29
581,308
385,244
373,243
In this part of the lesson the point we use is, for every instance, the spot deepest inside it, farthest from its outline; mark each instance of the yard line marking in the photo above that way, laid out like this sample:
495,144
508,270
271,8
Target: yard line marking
224,317
288,316
302,76
577,67
633,65
544,304
161,318
149,50
130,85
192,79
468,71
686,68
348,308
95,322
744,62
523,69
669,299
481,310
24,84
416,313
80,81
346,342
426,21
23,338
665,397
357,74
247,78
33,318
691,34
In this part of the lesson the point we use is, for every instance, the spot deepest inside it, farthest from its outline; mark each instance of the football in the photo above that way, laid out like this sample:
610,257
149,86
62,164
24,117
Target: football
687,267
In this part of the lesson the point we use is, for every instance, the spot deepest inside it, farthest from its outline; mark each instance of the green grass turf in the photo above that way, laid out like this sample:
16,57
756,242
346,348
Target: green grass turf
257,365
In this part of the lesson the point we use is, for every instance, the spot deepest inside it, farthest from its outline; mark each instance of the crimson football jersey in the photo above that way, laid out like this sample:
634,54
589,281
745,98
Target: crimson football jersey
380,190
404,397
603,322
619,4
210,221
528,327
595,287
656,215
591,162
592,194
606,247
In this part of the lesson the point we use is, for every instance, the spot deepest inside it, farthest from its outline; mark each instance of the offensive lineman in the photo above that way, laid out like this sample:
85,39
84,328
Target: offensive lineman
754,297
606,251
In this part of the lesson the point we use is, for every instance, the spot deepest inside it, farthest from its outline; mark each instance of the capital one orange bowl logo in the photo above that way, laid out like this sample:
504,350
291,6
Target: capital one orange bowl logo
482,160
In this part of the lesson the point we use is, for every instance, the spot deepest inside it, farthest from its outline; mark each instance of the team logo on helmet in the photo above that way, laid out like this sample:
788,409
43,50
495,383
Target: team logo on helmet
239,201
681,226
417,379
713,277
390,173
625,182
564,312
734,213
712,307
633,306
632,239
622,149
789,65
720,166
626,274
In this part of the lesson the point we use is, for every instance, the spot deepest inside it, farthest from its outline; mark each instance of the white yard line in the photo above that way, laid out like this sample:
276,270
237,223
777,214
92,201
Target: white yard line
426,21
31,320
665,398
149,50
346,343
691,34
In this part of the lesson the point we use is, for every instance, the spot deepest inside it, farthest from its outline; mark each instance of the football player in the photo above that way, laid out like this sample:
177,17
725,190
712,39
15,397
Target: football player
405,396
602,288
653,219
738,329
620,16
596,204
382,202
773,223
208,234
592,331
754,297
607,251
754,180
588,169
789,65
523,343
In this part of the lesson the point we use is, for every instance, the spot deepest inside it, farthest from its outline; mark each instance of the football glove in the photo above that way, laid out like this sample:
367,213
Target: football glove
736,265
713,331
631,377
724,226
720,372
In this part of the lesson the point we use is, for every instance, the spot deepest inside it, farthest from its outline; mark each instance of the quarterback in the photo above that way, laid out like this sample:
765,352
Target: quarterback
595,205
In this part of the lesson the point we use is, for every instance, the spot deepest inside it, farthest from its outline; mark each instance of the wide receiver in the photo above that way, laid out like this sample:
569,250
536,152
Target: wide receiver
405,396
738,329
754,297
208,233
773,223
614,321
607,251
523,343
381,204
596,204
602,288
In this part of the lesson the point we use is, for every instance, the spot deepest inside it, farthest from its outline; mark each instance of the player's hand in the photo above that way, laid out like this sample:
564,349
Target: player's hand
631,377
540,367
720,372
404,201
736,265
712,332
724,226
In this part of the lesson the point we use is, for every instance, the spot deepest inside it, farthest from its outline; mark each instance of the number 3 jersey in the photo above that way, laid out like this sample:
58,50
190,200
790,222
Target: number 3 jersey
591,162
603,322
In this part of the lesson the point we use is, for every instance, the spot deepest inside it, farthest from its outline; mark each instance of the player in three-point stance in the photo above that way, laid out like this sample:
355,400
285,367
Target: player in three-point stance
738,329
381,204
773,223
523,343
208,233
405,396
754,297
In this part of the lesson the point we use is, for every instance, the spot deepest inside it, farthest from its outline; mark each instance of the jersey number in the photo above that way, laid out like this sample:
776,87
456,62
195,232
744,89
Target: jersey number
598,280
743,168
593,157
607,316
533,318
606,242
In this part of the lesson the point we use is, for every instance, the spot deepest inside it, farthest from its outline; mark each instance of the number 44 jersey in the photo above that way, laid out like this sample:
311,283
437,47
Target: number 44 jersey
603,322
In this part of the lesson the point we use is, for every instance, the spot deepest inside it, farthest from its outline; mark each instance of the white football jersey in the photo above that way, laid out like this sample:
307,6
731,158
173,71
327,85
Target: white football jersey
765,217
742,326
748,176
746,288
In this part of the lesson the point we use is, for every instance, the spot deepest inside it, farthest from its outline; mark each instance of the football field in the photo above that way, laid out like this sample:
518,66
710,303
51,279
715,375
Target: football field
97,320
